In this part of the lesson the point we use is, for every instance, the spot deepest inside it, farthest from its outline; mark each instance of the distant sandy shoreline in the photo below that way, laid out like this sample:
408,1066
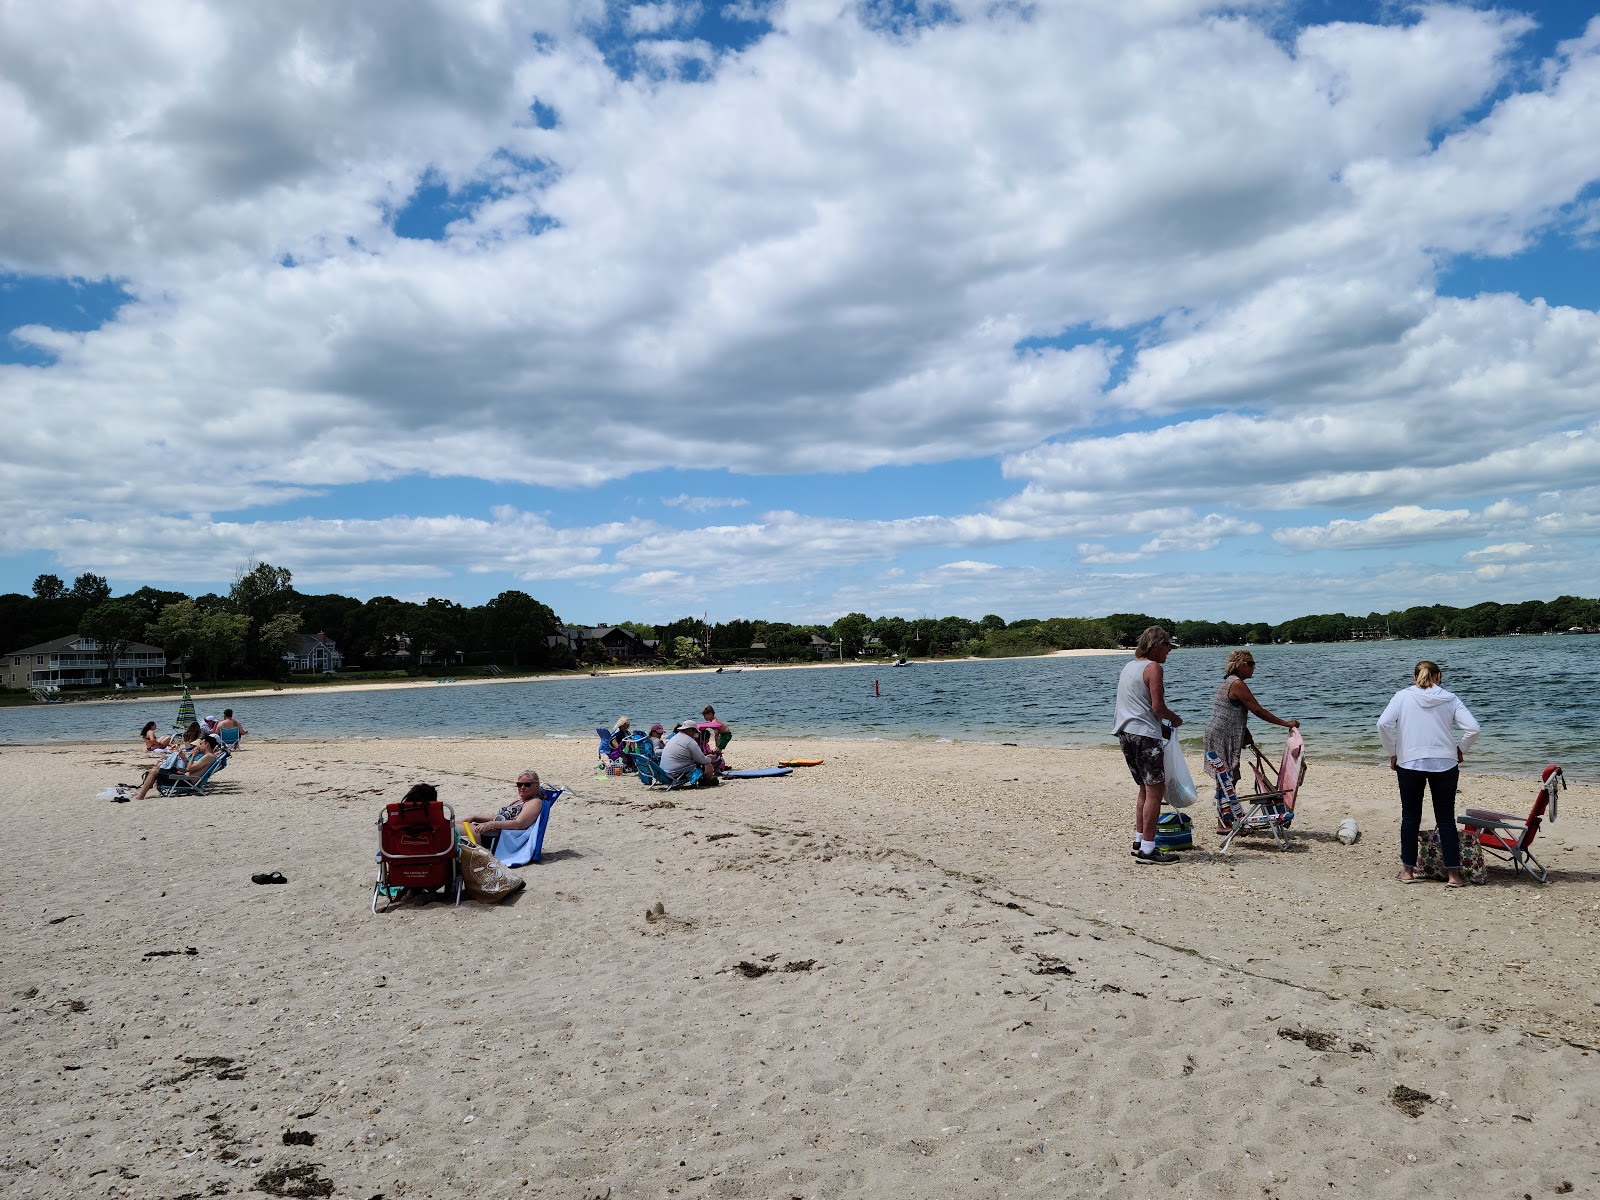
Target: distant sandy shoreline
198,691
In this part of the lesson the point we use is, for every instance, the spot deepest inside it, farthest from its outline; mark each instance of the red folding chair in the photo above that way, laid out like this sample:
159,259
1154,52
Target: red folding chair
1508,837
417,851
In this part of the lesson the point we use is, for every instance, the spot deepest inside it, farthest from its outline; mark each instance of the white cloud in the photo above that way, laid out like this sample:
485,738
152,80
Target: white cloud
649,19
1404,525
700,504
330,553
1505,552
1097,555
822,255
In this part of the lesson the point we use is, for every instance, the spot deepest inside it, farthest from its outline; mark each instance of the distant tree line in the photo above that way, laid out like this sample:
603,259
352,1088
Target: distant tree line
249,631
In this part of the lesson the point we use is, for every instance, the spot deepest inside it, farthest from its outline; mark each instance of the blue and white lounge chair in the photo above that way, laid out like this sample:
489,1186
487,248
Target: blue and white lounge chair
229,739
519,847
184,786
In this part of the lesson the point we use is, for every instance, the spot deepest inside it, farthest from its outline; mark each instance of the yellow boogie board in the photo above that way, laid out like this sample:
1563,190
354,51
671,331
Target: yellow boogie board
800,762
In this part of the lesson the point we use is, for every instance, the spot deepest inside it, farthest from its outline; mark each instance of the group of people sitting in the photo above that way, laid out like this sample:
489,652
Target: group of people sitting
155,743
692,743
188,755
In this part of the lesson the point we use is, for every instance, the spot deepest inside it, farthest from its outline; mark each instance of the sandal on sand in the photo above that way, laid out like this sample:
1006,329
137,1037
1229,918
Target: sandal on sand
271,877
1413,879
1455,885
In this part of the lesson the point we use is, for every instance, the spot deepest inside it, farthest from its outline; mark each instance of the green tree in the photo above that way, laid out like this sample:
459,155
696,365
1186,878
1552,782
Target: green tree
115,624
891,631
852,631
175,631
438,630
260,592
48,587
684,650
991,623
219,640
278,638
90,589
152,600
519,625
1127,627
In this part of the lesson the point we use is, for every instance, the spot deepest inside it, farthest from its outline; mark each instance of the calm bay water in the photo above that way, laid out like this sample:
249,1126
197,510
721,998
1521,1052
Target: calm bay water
1538,699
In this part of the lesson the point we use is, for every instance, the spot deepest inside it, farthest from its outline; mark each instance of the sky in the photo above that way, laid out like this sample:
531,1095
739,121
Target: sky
790,309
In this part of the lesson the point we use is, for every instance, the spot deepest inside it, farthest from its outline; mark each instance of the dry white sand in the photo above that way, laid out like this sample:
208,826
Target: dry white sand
970,989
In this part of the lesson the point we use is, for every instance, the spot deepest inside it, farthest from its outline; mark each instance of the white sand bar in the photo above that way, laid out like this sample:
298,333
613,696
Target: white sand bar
974,991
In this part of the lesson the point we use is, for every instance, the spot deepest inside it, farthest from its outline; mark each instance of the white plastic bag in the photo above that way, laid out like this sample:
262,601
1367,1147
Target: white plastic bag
1180,784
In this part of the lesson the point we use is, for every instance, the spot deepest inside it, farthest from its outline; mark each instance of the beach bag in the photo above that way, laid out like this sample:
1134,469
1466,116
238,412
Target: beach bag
1180,784
1175,831
1430,858
486,877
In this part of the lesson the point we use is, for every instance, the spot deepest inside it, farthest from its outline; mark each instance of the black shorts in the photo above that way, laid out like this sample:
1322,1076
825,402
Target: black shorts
1146,758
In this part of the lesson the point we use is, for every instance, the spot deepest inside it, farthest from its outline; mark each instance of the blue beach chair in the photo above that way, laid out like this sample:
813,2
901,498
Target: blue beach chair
184,786
519,847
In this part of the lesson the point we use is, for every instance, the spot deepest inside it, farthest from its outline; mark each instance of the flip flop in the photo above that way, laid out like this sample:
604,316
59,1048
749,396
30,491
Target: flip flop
1413,879
1455,886
271,877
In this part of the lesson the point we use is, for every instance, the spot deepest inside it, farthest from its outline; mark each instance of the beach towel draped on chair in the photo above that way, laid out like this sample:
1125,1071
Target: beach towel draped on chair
519,847
1271,806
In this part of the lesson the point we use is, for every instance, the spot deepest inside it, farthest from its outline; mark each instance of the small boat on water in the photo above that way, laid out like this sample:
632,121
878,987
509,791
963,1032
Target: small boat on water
728,670
902,661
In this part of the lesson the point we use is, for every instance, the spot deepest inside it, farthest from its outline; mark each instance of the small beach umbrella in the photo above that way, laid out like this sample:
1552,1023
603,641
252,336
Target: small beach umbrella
185,711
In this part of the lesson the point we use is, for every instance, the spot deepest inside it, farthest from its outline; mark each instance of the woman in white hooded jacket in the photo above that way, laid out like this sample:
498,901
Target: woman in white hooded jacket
1418,732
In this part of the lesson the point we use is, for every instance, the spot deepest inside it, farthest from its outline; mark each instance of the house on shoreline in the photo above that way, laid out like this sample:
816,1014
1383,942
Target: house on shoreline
618,644
317,653
78,661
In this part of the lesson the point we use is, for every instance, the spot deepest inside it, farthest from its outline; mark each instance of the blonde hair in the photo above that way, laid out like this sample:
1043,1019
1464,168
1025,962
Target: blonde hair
1239,658
624,722
1426,674
1150,639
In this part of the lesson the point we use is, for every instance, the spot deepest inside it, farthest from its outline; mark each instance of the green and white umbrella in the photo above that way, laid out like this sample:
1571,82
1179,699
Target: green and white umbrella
186,715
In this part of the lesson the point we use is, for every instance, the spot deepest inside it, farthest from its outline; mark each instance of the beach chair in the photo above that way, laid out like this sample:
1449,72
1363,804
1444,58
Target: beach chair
609,753
184,786
651,774
1509,837
631,749
229,739
416,851
1270,807
519,847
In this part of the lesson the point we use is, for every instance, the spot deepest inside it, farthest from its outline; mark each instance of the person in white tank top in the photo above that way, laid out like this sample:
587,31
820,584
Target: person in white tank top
1141,707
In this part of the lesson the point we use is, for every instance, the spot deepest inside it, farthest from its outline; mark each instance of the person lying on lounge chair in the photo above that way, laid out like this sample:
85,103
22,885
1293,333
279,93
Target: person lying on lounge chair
521,813
195,767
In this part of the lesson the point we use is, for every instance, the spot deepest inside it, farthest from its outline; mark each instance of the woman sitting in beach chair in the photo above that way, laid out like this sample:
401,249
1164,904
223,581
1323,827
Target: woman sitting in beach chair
521,813
178,768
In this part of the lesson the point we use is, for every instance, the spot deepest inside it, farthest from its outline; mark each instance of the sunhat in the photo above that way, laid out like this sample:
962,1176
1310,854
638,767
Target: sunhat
657,728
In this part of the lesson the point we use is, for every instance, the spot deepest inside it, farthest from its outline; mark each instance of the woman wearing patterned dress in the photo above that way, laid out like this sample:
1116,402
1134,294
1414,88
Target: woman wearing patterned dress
1228,731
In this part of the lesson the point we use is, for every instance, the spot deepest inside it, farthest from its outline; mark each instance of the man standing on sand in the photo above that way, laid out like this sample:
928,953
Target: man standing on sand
1141,707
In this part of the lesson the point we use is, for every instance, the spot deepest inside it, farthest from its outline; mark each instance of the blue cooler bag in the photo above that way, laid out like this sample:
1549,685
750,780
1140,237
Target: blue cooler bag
1175,831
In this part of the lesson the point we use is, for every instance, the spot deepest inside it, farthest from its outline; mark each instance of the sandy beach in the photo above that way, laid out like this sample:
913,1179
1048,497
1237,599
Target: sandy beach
918,970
